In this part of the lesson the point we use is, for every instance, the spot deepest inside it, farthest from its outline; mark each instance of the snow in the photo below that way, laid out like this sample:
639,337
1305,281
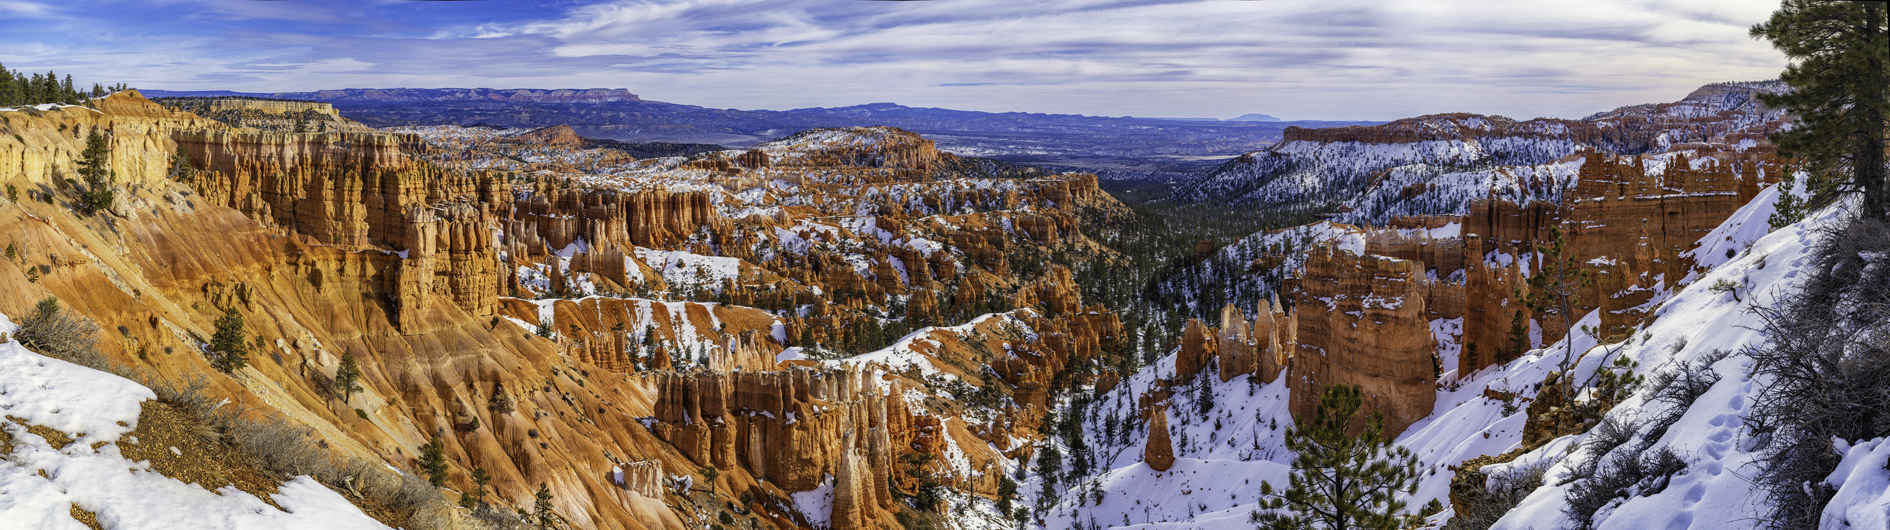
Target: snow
685,270
816,504
1692,322
1863,487
40,390
1713,492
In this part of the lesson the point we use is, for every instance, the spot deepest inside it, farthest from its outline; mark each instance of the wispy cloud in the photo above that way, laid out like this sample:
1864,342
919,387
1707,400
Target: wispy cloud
1309,59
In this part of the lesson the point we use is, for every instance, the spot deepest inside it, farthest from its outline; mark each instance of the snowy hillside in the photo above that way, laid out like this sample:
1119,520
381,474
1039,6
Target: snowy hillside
1309,171
45,480
1444,161
1226,447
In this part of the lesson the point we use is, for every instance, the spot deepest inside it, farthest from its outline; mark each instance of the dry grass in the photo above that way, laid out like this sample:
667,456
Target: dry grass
276,450
203,457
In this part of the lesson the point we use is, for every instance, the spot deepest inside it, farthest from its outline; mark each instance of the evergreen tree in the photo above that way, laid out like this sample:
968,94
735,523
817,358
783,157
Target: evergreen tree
347,376
1340,481
230,344
1788,208
95,167
181,169
709,473
1838,94
1007,490
1555,288
1518,337
481,478
433,462
541,506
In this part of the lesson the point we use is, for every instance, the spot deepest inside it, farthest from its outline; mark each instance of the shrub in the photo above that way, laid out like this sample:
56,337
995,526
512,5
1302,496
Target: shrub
1500,493
1828,369
55,332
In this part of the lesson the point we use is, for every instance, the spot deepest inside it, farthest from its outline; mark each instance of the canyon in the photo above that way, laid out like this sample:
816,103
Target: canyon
854,328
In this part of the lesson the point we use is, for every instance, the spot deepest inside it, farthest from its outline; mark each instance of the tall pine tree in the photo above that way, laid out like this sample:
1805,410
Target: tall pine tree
347,376
1838,49
1555,289
230,344
433,462
1340,482
95,167
542,512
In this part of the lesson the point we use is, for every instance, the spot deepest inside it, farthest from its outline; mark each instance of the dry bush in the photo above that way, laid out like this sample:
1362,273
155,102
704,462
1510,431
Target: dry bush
55,332
1829,367
1500,494
270,444
288,450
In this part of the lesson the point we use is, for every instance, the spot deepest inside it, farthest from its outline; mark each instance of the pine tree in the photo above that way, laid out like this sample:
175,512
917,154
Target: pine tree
1788,209
1518,338
433,462
1838,95
230,342
347,376
1555,288
181,169
1340,481
481,478
709,473
541,506
95,167
1007,490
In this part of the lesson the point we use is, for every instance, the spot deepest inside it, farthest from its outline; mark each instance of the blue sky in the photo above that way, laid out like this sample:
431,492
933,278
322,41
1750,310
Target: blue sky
1296,59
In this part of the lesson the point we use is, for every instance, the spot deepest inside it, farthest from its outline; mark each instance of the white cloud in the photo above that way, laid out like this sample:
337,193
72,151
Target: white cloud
1307,59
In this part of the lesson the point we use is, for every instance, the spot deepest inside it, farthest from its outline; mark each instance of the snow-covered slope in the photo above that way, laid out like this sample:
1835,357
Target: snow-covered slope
1326,172
1225,450
39,483
1697,326
1448,160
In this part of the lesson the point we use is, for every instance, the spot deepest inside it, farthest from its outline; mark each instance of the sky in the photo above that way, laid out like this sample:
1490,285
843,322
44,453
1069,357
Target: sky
1294,59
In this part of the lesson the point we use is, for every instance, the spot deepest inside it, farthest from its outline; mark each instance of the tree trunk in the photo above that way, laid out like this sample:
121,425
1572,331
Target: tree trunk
1870,154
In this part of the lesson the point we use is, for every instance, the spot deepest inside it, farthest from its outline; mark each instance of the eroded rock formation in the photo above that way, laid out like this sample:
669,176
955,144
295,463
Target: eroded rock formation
1362,321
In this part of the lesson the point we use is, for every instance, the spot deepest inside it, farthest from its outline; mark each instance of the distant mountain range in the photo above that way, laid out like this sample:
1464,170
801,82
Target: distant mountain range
1162,147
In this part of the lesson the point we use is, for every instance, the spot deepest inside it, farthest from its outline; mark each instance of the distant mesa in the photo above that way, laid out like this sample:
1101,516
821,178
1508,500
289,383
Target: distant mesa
515,95
1255,117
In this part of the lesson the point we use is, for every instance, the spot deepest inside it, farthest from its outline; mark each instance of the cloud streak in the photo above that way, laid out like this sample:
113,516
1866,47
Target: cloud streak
1298,59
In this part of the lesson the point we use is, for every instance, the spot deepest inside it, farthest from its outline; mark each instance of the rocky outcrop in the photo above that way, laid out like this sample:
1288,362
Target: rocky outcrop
557,135
1198,343
1362,321
359,191
792,428
1632,227
546,218
1158,452
386,247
